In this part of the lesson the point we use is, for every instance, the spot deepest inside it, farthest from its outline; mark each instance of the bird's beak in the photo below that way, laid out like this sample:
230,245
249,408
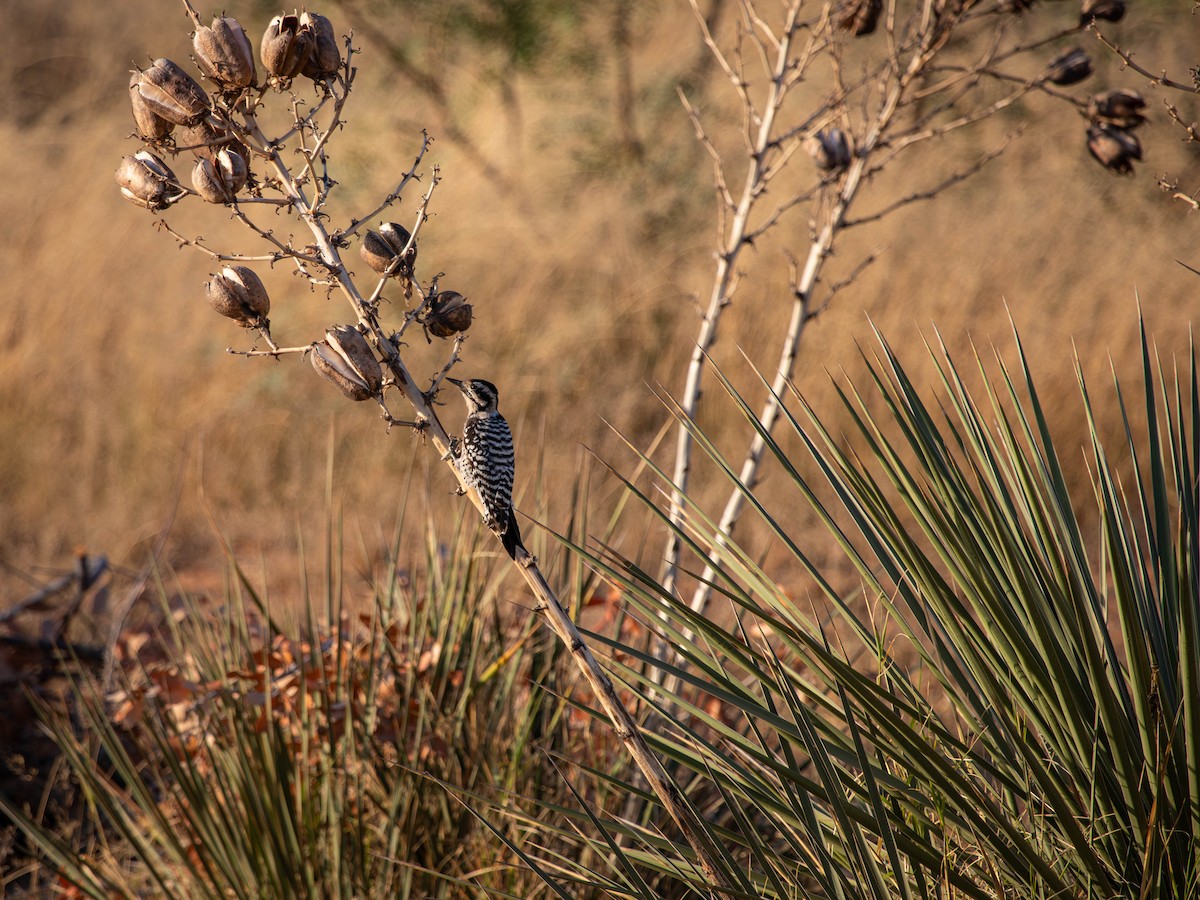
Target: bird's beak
455,382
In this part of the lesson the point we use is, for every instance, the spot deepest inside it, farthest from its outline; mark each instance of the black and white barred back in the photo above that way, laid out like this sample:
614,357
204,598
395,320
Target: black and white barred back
484,456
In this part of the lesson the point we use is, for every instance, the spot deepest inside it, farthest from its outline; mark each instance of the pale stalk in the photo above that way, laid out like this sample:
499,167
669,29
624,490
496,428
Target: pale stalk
723,283
802,293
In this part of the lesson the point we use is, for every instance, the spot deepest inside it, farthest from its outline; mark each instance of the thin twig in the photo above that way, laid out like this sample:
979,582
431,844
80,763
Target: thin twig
730,247
410,175
197,242
274,351
439,377
937,189
1127,59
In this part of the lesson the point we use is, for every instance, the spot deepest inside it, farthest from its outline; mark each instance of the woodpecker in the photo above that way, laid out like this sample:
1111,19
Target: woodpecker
484,457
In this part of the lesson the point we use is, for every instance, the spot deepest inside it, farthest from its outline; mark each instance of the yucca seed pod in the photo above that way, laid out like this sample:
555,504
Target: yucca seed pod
206,141
398,238
449,313
219,182
376,252
239,294
286,47
172,93
207,182
396,235
381,248
829,148
147,181
325,59
332,366
859,17
224,53
1121,108
350,344
1108,10
151,128
1069,67
1114,148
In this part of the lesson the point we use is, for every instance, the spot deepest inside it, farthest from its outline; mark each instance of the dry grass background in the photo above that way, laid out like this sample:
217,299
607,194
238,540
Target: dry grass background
583,267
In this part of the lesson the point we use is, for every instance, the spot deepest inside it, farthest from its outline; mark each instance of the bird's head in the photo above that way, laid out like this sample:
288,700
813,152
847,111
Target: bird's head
480,395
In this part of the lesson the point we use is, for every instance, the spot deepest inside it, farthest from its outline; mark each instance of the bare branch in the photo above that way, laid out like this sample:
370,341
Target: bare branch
285,250
436,382
192,14
729,248
726,198
943,185
1172,188
276,352
197,242
1127,58
410,175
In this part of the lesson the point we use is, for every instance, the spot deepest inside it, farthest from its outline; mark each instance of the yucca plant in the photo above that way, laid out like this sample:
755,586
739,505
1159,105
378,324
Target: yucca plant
1007,709
246,755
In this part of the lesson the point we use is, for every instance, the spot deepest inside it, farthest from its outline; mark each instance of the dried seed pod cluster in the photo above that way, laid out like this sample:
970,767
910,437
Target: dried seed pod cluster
325,58
168,101
219,123
300,45
1120,108
1110,137
1114,148
151,127
387,250
285,47
346,361
238,293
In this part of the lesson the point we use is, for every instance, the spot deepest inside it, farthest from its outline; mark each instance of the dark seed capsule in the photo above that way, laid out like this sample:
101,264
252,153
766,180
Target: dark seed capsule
286,47
349,343
1069,67
381,248
325,59
147,181
1122,108
333,367
224,53
219,182
238,292
172,94
1114,148
1108,10
449,314
859,17
151,127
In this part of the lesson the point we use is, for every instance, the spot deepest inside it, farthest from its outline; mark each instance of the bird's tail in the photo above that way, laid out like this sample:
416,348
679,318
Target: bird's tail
511,536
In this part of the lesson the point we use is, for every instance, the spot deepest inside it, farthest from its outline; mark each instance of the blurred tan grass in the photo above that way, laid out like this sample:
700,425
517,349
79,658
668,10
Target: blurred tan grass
114,383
